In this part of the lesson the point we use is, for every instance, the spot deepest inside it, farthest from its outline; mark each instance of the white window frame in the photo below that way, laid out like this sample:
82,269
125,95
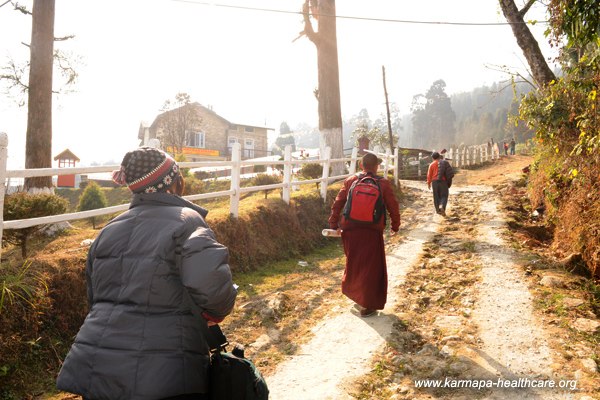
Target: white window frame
231,140
199,140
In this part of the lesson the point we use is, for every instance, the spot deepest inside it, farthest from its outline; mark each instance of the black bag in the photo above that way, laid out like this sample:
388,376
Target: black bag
445,171
231,375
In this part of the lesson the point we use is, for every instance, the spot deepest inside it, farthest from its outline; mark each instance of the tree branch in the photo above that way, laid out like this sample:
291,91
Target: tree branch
21,8
513,74
63,38
526,8
308,28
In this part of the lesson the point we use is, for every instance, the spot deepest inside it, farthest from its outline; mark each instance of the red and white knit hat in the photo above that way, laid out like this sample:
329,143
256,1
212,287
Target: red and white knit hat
147,169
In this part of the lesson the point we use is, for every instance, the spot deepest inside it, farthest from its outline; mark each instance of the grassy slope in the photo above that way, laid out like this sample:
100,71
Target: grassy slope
43,329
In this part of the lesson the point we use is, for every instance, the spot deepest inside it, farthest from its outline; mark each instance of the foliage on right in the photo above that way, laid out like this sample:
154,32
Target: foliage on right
564,114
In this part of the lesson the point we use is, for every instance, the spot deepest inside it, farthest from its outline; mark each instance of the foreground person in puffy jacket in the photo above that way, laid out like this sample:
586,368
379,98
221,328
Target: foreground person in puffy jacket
140,339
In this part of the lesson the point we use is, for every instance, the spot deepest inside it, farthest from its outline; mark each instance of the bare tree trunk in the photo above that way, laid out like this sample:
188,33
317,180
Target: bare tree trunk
542,74
38,147
328,92
387,108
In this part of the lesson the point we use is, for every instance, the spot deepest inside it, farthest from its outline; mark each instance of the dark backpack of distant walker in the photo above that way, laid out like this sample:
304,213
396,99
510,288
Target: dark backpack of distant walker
445,172
365,201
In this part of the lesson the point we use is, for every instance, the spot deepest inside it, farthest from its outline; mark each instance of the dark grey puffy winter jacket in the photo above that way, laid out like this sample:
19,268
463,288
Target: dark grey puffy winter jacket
140,340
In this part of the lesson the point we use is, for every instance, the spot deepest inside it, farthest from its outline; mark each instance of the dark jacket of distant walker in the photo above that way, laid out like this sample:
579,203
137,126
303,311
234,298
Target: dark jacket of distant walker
140,340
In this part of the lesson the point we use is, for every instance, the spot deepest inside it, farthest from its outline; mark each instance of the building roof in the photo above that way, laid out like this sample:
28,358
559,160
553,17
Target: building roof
66,155
208,110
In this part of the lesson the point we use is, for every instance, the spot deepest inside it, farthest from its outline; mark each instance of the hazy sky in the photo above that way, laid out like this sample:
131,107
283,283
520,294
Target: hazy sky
138,53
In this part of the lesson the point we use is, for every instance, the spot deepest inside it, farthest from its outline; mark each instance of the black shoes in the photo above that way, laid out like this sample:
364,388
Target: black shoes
367,313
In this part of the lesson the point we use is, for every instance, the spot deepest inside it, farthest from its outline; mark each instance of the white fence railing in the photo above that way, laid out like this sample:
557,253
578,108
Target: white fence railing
234,191
460,157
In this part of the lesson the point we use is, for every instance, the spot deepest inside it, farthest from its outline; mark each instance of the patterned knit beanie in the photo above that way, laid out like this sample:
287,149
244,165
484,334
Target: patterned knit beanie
148,170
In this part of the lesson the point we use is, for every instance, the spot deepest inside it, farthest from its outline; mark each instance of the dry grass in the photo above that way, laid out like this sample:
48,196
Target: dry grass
293,233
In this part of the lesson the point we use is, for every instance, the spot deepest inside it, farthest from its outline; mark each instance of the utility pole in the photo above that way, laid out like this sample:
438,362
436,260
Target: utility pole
387,107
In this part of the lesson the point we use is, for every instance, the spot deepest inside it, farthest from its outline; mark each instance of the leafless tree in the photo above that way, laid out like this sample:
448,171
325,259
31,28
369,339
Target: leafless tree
38,146
328,91
176,123
31,83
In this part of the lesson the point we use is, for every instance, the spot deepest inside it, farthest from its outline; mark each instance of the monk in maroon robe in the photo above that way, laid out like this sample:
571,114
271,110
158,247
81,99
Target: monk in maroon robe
365,277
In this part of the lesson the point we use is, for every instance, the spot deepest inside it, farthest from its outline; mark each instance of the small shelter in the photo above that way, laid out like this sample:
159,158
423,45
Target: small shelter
66,159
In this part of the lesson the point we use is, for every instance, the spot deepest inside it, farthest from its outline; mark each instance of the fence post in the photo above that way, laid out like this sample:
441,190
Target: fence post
386,165
326,164
396,165
236,157
419,164
353,161
3,158
468,150
287,174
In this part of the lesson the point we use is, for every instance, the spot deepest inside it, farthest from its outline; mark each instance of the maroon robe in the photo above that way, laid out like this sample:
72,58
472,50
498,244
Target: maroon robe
365,276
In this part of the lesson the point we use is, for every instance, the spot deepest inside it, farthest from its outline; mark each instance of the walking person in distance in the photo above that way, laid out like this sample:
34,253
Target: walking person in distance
439,179
365,276
140,339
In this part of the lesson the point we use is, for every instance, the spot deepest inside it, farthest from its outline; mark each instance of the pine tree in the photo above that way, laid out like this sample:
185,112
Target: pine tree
92,198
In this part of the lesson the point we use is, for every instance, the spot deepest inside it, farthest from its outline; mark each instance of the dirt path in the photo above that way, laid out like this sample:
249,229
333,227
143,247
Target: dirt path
459,313
344,343
463,318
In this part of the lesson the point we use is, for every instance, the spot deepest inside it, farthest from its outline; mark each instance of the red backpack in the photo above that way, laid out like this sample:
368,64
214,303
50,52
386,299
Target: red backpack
365,201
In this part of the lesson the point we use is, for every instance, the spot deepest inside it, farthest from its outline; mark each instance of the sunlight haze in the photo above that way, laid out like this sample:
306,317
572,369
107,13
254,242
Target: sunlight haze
245,63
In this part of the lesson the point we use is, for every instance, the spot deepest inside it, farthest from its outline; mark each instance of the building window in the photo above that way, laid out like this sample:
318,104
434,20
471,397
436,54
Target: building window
230,142
249,129
196,139
249,148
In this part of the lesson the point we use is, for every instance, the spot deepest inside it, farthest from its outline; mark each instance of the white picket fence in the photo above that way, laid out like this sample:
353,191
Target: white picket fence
234,191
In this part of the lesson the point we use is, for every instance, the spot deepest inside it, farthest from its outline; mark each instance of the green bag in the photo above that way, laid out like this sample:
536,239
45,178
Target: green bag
234,377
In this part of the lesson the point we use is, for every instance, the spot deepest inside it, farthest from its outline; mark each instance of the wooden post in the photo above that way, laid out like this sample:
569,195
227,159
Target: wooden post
3,159
236,157
419,164
468,151
287,174
353,161
326,163
387,108
396,166
386,163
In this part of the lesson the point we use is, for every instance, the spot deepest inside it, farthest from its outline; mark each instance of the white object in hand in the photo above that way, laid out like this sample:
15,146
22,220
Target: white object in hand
331,232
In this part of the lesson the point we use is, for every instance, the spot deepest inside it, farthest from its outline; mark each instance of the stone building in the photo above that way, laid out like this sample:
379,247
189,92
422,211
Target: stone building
209,139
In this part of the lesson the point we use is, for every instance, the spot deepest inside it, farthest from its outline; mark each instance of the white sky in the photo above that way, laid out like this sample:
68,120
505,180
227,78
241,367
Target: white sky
138,53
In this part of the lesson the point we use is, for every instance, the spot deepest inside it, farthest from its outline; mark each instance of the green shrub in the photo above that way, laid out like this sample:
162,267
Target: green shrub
311,171
203,175
265,179
259,169
92,198
23,205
